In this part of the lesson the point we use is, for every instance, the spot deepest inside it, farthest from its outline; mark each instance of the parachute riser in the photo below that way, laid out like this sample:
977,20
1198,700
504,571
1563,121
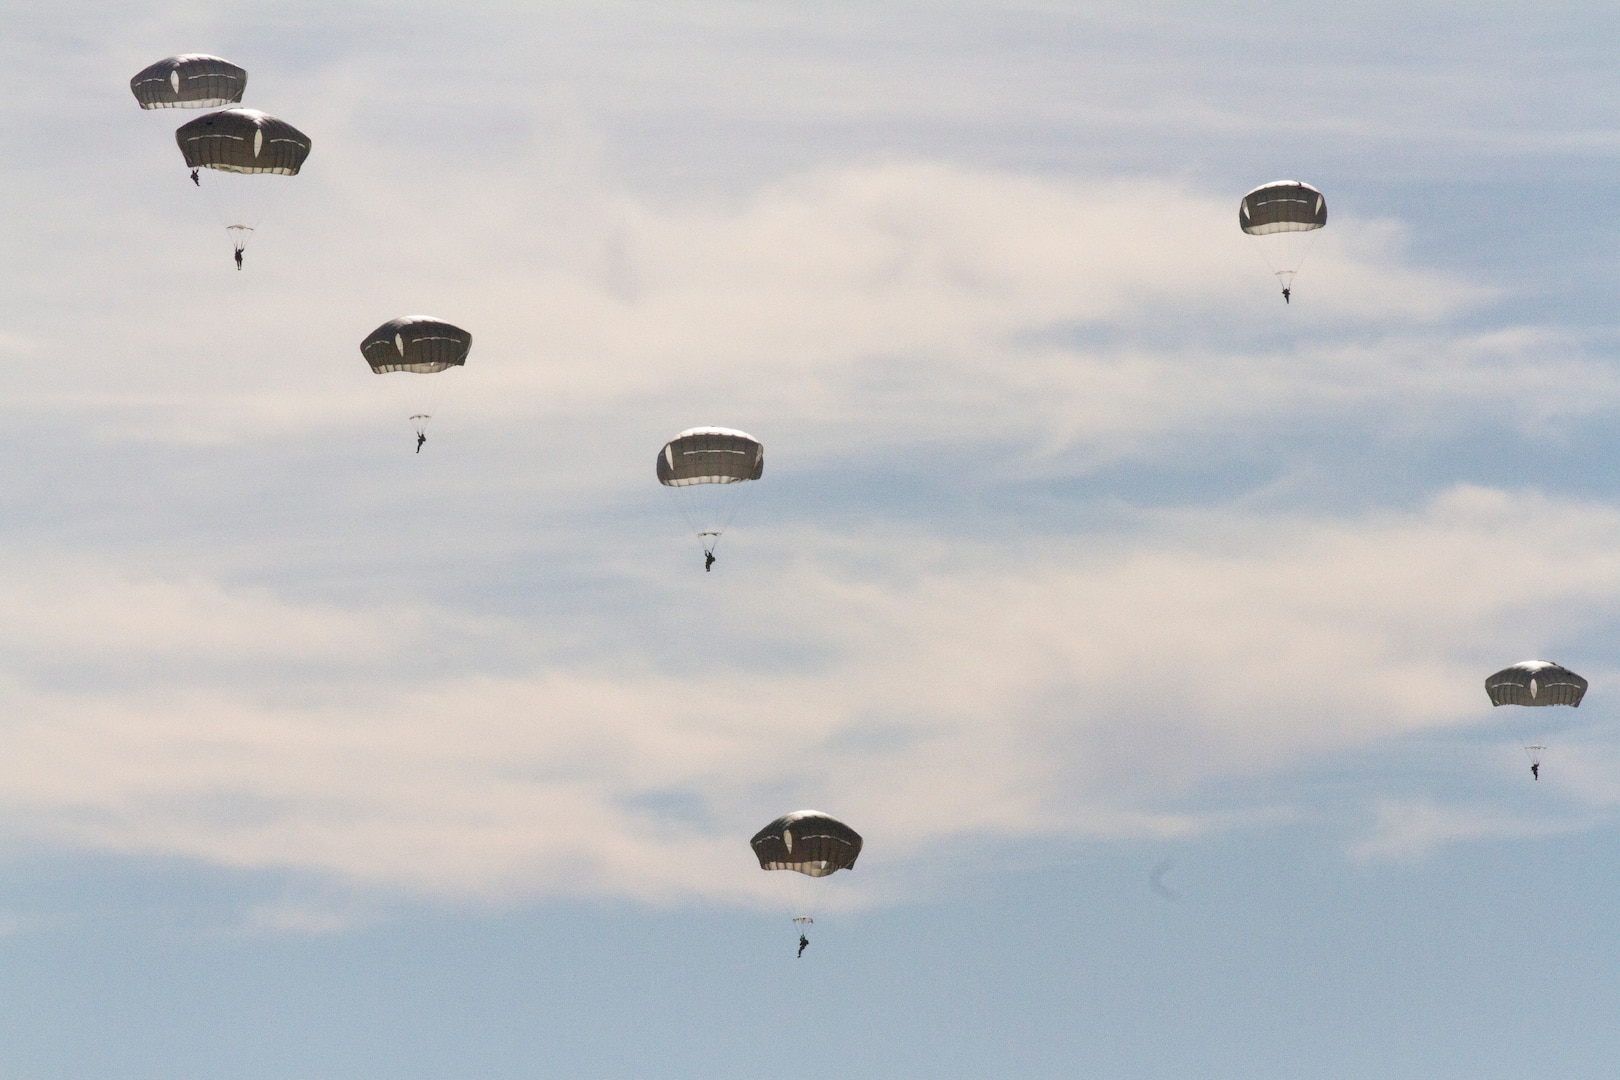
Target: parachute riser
709,509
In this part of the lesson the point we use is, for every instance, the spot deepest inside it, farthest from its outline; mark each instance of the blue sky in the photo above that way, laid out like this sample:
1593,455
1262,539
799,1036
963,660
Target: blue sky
1080,562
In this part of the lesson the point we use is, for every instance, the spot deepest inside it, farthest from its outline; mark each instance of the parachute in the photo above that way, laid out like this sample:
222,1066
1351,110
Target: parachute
189,81
1536,683
239,153
705,465
1284,215
810,843
419,345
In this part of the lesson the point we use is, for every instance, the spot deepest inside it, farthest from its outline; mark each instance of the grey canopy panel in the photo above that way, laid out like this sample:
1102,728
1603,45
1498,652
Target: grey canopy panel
243,141
807,841
1536,682
1282,206
710,455
416,343
189,81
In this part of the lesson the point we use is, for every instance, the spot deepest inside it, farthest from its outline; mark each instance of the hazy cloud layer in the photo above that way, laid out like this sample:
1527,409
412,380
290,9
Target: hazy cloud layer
1073,686
879,303
238,636
1413,829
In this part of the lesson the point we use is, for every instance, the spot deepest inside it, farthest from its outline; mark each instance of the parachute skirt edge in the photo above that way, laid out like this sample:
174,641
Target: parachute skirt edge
275,170
196,103
416,369
690,481
1280,227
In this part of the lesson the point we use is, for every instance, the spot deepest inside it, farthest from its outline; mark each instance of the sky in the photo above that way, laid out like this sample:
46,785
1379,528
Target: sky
1136,619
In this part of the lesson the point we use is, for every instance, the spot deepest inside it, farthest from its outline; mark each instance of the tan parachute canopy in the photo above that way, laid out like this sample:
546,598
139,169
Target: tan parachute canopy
189,81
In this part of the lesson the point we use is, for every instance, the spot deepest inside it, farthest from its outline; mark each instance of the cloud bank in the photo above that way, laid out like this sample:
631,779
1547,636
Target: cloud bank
1073,686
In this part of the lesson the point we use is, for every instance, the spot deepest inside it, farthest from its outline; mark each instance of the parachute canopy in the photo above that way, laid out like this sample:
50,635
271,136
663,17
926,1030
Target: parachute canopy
807,841
189,81
416,343
1282,206
1536,682
710,455
243,141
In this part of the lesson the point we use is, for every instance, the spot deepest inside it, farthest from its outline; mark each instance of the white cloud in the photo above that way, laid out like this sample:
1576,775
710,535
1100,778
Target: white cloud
1081,686
876,304
1412,829
932,687
296,920
88,610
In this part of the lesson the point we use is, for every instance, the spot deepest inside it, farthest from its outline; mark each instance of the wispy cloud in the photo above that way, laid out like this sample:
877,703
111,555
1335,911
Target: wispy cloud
468,720
1082,686
1412,829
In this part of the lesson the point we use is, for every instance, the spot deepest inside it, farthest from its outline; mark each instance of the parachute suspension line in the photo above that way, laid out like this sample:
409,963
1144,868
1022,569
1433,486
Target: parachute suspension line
736,502
424,393
1300,251
1531,745
709,509
1287,249
688,511
1284,277
240,201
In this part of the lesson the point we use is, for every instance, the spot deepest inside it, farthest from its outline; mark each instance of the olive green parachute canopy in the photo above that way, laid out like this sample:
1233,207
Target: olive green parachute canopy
807,841
243,141
1282,206
189,81
1536,682
710,455
416,343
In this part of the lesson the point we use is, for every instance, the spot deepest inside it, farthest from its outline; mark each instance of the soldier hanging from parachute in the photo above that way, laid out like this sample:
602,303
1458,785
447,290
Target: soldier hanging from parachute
241,154
1536,683
706,467
1284,215
418,345
811,843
